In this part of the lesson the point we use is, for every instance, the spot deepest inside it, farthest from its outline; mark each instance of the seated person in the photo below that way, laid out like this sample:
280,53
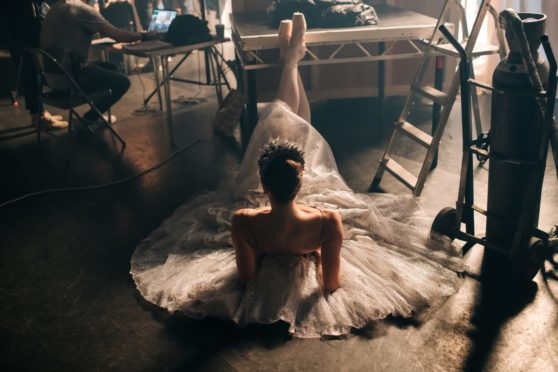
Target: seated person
20,27
67,32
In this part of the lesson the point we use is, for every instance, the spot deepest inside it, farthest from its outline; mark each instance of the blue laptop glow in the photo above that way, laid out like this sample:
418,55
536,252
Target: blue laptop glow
161,20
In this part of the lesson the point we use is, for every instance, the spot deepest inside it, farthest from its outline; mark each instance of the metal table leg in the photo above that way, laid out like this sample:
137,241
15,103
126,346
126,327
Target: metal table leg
216,80
219,57
381,82
242,87
155,63
168,103
252,105
205,52
15,92
158,82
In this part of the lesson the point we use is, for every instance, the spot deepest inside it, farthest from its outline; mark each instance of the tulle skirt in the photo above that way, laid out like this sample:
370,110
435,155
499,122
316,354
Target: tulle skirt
390,262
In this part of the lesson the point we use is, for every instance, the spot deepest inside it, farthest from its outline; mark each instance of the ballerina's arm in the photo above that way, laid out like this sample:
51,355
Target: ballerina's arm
245,254
331,249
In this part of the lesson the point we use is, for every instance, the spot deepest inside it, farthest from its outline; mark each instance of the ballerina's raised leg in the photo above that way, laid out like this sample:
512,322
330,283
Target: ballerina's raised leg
299,34
292,50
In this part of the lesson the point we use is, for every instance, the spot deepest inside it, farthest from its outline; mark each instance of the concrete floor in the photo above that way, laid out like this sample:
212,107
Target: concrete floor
67,301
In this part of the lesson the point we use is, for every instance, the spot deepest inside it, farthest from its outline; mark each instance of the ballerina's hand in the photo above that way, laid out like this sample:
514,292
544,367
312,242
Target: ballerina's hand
319,274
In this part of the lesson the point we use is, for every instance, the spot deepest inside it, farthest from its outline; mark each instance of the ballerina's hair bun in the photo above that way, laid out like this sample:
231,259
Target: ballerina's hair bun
281,167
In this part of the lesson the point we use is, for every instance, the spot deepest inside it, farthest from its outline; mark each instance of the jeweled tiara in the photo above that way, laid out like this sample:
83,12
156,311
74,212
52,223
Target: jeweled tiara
276,148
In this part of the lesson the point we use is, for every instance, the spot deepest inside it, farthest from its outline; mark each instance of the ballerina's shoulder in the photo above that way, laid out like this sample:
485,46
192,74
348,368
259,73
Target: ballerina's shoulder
247,223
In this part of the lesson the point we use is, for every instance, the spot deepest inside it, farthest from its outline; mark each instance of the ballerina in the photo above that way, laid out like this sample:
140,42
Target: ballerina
306,249
286,227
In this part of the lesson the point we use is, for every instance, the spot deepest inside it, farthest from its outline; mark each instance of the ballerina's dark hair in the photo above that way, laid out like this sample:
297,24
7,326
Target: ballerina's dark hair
281,167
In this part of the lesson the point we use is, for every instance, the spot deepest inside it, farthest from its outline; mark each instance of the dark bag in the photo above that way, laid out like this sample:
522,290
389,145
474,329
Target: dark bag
228,115
120,14
326,13
188,29
40,9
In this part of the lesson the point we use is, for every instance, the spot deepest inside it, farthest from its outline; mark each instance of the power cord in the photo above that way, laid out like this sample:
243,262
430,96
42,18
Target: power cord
195,98
104,185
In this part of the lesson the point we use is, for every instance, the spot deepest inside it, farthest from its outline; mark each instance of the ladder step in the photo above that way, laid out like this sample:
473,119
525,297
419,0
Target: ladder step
478,151
431,93
437,47
479,209
415,133
400,173
479,49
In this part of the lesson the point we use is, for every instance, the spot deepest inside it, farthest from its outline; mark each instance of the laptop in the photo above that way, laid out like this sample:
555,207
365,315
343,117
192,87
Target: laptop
159,23
161,20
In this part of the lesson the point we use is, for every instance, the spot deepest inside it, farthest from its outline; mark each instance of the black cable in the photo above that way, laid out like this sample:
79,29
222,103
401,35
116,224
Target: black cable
193,99
104,185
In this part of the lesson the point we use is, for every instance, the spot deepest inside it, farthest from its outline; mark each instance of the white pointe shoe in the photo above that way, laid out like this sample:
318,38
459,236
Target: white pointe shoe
297,45
299,29
285,31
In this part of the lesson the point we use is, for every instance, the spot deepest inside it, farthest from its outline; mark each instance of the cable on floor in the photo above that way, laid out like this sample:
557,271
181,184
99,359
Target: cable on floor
194,99
104,185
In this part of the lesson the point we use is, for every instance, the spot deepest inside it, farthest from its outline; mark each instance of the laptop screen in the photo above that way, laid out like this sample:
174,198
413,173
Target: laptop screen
161,20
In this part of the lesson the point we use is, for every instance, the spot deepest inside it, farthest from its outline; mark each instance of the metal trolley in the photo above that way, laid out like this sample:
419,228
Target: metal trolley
523,258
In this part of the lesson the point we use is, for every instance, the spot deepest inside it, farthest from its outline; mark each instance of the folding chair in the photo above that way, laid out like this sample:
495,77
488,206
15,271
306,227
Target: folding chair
67,99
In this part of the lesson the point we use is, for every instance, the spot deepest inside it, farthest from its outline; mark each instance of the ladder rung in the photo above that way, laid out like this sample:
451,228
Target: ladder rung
479,209
431,93
478,151
436,46
483,85
400,173
478,50
415,133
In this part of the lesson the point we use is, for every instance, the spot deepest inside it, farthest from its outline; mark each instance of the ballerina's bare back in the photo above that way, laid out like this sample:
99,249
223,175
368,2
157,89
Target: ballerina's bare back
256,232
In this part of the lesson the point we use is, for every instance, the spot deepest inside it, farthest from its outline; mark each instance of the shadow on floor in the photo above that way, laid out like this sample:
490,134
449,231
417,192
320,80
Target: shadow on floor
203,340
499,302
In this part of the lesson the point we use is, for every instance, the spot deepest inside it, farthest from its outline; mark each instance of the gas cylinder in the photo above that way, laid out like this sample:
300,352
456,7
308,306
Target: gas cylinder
515,139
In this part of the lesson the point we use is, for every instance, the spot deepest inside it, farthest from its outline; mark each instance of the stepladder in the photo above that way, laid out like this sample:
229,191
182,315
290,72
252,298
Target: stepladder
437,49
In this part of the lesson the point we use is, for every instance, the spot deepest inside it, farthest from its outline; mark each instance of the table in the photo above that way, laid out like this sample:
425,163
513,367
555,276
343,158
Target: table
254,36
159,58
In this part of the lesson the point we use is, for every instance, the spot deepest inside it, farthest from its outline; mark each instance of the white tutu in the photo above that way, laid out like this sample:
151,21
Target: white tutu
390,265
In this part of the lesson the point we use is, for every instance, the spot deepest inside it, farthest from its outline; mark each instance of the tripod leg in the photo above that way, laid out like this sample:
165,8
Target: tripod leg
220,58
15,92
